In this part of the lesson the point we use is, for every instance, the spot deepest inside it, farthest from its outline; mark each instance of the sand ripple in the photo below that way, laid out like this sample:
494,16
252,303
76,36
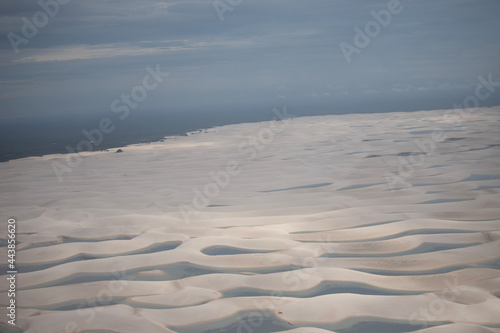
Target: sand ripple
309,237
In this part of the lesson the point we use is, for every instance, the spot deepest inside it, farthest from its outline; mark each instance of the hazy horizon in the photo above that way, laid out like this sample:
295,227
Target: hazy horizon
236,57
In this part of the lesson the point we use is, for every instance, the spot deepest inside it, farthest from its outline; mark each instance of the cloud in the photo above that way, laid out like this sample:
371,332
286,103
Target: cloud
82,52
261,52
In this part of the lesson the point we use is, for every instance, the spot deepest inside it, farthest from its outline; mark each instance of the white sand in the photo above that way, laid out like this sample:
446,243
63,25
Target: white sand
307,237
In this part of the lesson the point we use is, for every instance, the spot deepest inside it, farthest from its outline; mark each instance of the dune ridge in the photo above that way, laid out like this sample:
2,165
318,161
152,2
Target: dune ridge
349,223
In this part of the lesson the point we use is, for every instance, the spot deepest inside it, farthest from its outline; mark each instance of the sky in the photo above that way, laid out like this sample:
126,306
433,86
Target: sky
314,56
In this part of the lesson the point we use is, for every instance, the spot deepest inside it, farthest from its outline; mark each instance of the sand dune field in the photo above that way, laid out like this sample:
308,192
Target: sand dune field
355,223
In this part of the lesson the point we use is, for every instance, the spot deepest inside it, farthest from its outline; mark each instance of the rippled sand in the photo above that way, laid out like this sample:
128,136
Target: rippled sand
352,223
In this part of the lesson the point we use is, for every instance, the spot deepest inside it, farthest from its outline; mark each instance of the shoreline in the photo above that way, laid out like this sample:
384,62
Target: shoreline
173,133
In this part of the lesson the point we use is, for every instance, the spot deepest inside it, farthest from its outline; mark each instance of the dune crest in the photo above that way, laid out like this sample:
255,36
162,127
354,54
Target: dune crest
348,223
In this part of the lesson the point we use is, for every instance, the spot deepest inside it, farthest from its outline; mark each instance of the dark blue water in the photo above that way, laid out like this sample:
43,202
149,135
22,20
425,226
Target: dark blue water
42,135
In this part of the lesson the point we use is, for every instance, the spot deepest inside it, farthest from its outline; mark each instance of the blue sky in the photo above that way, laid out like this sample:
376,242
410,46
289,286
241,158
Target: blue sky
263,54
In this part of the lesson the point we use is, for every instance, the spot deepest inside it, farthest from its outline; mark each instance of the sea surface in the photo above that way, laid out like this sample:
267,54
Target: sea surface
54,134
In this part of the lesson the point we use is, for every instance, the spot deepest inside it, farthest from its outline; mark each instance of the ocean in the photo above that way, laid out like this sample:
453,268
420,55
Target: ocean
54,134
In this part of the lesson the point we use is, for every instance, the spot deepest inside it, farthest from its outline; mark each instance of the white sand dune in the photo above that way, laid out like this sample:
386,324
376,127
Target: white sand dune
351,223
